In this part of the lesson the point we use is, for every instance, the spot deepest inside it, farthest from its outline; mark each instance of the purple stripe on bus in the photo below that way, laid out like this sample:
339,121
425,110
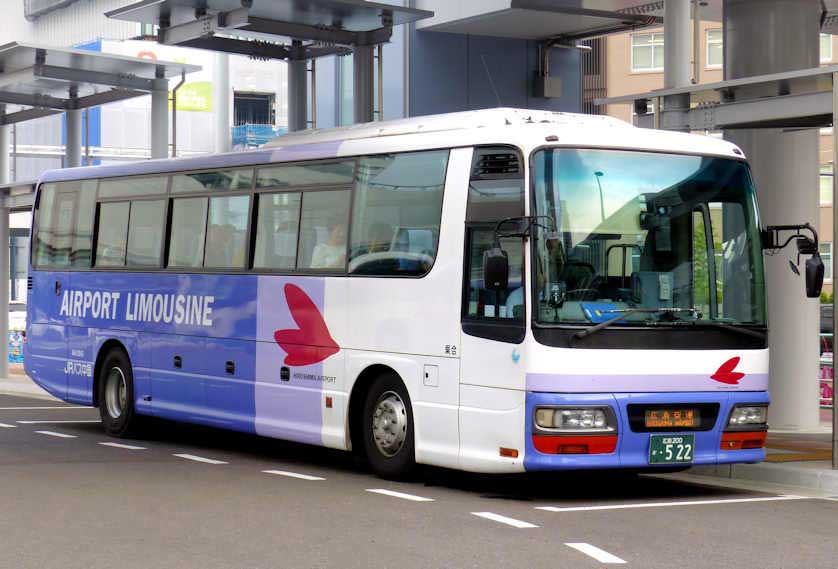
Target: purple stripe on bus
289,408
609,383
209,161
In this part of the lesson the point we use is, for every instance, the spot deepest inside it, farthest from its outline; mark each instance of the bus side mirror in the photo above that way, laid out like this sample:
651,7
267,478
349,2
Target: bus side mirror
814,276
496,269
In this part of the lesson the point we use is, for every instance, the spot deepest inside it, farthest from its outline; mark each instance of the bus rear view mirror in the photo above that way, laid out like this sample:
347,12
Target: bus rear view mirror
814,276
495,269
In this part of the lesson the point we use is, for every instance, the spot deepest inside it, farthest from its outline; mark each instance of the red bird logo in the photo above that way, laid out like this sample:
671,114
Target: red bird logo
311,342
725,373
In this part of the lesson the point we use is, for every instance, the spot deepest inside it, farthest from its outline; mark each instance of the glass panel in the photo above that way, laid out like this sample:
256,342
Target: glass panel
701,277
825,180
43,242
483,303
227,232
186,244
641,39
276,231
83,236
396,215
657,62
641,58
825,250
323,224
826,47
210,181
125,187
110,241
493,200
145,233
311,174
603,202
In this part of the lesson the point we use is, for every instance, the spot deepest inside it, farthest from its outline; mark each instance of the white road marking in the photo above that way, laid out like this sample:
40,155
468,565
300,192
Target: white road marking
401,495
54,434
121,445
41,408
293,475
200,459
669,504
7,426
504,520
599,554
56,422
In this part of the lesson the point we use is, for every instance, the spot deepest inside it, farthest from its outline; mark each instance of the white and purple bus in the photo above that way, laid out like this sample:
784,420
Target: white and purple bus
494,291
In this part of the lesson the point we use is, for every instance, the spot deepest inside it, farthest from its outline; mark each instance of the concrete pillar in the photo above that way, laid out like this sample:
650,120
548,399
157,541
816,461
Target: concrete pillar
677,47
5,269
772,36
297,89
363,58
221,102
160,123
72,148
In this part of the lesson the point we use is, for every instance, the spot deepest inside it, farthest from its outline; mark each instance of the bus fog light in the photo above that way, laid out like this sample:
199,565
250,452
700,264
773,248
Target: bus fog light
748,415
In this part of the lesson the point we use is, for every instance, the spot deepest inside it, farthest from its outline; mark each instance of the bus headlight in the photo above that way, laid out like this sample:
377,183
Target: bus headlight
575,419
748,416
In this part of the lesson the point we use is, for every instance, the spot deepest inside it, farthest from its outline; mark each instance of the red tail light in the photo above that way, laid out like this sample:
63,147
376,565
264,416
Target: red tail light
743,440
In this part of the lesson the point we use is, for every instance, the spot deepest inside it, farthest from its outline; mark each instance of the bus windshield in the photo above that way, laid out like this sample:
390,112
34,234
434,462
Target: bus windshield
665,239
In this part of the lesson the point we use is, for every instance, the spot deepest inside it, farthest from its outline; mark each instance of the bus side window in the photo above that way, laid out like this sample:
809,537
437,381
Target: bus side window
396,213
111,239
227,232
323,222
189,224
145,233
277,224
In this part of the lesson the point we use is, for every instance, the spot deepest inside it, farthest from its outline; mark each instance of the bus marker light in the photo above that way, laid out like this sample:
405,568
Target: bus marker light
509,452
743,440
591,444
328,403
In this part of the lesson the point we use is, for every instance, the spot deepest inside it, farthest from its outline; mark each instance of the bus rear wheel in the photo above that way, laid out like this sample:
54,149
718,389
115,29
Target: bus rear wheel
388,428
116,395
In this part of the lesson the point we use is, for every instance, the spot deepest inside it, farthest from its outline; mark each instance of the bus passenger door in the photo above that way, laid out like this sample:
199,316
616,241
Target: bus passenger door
493,321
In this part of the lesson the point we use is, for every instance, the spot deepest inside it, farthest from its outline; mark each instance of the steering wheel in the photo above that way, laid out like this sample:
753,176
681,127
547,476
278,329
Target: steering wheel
583,291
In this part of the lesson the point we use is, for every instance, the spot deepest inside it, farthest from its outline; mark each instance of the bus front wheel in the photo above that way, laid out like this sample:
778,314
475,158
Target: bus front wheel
388,428
116,395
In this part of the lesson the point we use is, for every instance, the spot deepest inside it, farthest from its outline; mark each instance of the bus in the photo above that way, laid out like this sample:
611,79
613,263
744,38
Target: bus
494,291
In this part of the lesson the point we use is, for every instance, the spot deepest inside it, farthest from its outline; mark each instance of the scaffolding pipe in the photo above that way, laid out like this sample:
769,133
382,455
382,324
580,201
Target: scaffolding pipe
174,112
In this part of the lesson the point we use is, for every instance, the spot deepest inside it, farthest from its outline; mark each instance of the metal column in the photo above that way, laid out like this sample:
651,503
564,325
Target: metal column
785,167
221,98
72,148
677,46
5,269
297,88
363,60
160,117
834,274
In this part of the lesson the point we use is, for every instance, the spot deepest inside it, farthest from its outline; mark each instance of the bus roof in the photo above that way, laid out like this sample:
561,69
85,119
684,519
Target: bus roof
489,126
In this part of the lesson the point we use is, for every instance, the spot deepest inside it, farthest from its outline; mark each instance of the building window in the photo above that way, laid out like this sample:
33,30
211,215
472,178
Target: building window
715,52
647,52
825,249
825,179
826,48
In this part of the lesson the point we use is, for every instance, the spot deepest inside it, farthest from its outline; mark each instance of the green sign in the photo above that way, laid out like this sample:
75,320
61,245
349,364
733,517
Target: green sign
195,96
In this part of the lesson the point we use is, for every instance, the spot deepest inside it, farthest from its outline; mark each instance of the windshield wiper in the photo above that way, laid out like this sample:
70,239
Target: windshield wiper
731,327
623,312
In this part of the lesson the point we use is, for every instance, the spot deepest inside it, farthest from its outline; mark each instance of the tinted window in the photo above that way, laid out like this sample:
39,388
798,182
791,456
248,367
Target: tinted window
83,235
43,245
227,232
145,233
395,221
207,181
124,187
323,224
186,244
315,173
111,238
486,303
276,231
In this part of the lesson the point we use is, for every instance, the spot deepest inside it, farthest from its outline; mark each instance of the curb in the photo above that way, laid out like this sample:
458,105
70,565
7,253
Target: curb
821,479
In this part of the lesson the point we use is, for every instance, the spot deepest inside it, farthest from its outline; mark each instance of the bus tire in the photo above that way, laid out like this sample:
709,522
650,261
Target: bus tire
116,395
388,428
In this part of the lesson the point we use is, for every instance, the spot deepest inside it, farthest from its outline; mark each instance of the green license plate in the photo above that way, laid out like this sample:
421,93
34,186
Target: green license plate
671,449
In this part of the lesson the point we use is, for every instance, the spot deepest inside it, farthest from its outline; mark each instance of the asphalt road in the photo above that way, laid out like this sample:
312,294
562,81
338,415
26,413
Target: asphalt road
200,498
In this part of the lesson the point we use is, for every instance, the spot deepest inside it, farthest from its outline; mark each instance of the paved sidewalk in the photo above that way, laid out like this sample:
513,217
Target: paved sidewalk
19,384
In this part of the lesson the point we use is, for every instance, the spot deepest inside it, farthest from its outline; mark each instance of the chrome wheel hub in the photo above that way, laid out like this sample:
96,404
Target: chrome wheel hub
116,393
389,423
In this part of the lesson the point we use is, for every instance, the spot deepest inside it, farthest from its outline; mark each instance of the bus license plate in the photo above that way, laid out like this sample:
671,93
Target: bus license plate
671,449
